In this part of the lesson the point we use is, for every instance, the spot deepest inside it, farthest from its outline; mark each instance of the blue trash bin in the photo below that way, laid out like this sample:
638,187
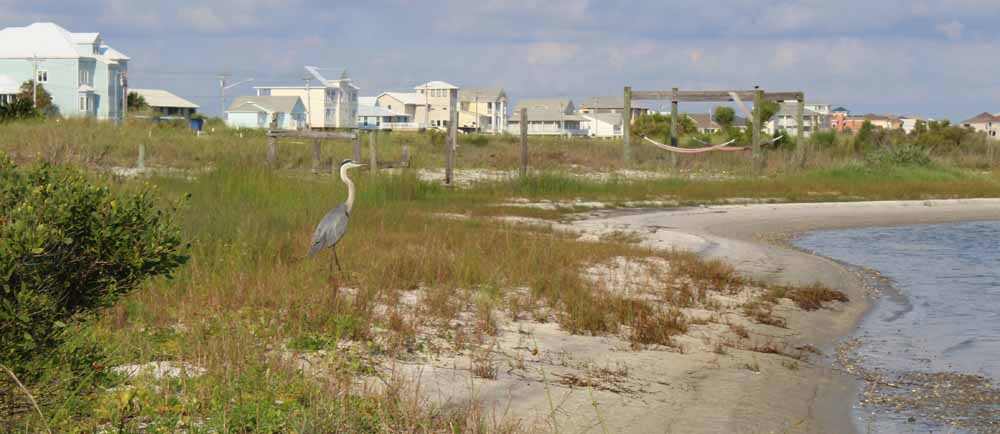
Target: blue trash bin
196,124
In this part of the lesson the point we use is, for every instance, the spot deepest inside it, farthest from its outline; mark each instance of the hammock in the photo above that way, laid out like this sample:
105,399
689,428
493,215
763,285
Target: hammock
720,147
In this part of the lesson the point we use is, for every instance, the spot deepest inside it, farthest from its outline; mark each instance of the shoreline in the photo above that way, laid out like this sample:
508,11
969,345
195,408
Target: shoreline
820,400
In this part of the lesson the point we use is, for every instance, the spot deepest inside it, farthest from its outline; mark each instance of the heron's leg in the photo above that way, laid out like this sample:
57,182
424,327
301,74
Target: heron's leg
335,259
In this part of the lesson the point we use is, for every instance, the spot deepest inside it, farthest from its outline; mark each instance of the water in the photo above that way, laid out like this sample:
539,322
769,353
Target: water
942,313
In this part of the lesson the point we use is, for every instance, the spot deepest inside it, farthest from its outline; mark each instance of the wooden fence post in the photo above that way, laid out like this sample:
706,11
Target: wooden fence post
141,162
758,99
373,161
356,147
449,171
272,141
316,148
674,141
800,144
524,142
626,126
406,156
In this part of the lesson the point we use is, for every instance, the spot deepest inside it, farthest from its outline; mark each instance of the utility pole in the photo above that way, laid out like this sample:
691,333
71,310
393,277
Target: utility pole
222,93
35,60
308,103
223,88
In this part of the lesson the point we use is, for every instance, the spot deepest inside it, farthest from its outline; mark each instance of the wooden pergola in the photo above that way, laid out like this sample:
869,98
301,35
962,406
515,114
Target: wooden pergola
675,96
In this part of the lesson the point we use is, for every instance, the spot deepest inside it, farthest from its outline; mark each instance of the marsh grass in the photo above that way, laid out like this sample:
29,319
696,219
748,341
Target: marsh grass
249,302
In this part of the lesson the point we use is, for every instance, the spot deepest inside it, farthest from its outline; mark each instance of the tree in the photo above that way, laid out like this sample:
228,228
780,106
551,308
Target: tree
44,101
724,116
136,102
864,136
658,126
16,110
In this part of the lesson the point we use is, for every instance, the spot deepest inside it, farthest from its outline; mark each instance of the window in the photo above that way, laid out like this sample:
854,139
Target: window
389,107
43,76
83,103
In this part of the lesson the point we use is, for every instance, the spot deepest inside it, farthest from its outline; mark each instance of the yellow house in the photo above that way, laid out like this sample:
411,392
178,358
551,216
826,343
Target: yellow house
429,107
483,110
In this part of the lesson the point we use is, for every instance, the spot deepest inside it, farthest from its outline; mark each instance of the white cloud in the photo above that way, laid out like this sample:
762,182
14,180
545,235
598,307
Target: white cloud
951,29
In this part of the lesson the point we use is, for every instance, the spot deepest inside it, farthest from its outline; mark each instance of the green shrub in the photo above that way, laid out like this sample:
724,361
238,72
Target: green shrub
476,140
906,155
68,247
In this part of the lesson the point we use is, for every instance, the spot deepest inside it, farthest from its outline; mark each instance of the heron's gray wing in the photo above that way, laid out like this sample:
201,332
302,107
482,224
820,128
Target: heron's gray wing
330,230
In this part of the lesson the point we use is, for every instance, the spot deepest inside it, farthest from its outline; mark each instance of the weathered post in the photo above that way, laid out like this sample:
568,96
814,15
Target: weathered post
673,126
406,156
626,126
372,140
316,148
356,146
524,142
758,100
449,171
141,162
272,141
800,144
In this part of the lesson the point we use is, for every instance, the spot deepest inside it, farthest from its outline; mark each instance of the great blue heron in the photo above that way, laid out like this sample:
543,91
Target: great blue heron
331,229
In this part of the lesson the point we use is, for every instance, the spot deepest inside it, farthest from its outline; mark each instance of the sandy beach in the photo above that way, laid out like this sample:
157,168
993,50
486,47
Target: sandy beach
544,378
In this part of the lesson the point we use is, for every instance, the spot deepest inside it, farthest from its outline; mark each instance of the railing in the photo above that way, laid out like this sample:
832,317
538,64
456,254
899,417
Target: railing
399,126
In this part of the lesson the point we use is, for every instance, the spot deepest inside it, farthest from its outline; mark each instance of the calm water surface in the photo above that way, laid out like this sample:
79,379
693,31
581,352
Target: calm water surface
943,312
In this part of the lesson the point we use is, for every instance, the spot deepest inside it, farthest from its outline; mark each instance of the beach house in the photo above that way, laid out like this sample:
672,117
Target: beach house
483,110
548,117
164,103
429,107
984,123
259,111
329,103
83,74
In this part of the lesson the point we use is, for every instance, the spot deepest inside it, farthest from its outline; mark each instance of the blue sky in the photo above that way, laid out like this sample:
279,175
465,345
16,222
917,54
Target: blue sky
938,59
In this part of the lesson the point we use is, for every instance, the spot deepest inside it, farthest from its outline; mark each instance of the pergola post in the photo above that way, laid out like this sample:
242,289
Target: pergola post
758,100
800,144
673,127
627,126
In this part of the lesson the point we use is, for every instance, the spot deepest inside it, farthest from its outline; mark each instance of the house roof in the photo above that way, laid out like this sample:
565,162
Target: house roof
436,85
548,109
162,98
482,94
840,110
982,118
49,41
321,74
280,104
374,110
407,97
610,118
789,110
86,38
8,85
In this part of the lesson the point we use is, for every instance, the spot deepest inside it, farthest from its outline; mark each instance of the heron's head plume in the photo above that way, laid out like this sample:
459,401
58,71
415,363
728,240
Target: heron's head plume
350,164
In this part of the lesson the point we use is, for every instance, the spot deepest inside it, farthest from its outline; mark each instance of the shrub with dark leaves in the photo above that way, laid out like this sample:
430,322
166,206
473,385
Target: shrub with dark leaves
68,247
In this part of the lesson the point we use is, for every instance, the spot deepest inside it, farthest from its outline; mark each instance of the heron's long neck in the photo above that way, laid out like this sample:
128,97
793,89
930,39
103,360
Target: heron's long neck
350,188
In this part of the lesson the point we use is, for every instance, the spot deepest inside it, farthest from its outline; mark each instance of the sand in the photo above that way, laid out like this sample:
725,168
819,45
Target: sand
536,374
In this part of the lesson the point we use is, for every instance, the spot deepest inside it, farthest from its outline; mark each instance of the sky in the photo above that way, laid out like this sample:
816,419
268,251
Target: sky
932,58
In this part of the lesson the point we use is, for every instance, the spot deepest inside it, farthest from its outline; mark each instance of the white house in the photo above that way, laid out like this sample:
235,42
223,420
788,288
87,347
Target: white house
9,88
548,117
165,103
329,103
373,117
606,125
84,76
258,111
986,123
785,119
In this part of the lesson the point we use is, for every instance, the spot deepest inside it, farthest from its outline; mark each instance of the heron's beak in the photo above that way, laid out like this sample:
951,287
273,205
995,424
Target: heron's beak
362,165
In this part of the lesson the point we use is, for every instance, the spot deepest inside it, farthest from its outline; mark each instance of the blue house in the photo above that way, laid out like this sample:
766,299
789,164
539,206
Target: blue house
85,76
257,111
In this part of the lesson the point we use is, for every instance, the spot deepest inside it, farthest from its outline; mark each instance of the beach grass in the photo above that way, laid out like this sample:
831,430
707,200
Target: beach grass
249,305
